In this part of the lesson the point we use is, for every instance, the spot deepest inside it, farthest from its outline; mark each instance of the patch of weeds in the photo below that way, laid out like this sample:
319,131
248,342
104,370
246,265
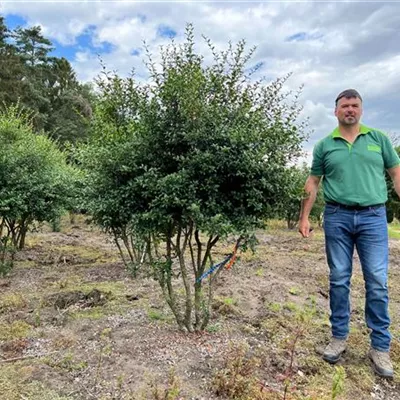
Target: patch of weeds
288,378
38,391
16,330
112,307
169,391
318,387
37,314
12,302
238,377
394,233
294,291
7,255
290,306
11,378
322,281
395,349
93,313
33,240
229,301
360,376
259,272
248,329
274,307
338,382
247,257
115,389
25,264
276,224
312,300
307,315
357,284
66,283
86,253
318,393
15,384
313,364
156,315
6,267
274,326
358,342
105,350
67,363
214,328
225,306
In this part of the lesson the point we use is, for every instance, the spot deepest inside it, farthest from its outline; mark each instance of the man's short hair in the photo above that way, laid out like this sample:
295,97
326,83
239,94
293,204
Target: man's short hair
348,93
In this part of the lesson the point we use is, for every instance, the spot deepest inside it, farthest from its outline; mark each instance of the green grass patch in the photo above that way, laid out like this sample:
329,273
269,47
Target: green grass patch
294,291
84,252
26,264
394,231
156,315
67,363
229,301
12,302
15,330
274,307
94,313
290,306
15,385
116,288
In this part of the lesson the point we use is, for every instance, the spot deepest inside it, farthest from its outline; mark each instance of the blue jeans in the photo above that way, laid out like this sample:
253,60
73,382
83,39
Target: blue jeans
367,231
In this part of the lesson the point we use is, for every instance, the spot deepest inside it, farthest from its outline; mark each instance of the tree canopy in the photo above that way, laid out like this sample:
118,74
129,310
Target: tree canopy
46,86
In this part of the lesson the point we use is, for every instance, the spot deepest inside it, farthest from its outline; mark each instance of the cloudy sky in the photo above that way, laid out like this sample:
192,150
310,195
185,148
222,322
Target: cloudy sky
327,45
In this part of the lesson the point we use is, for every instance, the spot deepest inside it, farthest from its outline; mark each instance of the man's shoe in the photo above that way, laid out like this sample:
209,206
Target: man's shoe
334,350
381,363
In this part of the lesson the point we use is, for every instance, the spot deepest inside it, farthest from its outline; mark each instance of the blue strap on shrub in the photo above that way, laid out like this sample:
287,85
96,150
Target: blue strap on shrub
214,268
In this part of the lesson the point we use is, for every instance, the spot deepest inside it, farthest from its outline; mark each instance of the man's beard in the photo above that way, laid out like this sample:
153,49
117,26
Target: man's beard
350,120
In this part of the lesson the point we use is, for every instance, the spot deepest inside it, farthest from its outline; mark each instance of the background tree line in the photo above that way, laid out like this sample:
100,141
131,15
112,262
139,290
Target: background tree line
44,85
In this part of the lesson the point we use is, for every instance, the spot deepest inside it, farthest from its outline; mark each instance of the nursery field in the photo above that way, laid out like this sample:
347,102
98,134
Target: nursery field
74,324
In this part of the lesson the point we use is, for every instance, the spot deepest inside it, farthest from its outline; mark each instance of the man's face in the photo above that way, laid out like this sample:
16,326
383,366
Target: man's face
348,111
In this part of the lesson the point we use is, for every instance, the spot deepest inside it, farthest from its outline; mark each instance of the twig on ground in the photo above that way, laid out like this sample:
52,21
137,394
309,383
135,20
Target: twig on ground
6,360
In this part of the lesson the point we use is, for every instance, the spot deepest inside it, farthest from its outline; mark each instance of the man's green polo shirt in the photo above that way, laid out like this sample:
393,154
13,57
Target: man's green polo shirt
354,174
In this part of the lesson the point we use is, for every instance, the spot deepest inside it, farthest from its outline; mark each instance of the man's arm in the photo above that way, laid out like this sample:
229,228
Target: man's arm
395,175
311,190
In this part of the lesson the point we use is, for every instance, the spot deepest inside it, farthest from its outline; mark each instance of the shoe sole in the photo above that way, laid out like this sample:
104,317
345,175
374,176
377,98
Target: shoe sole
332,360
380,373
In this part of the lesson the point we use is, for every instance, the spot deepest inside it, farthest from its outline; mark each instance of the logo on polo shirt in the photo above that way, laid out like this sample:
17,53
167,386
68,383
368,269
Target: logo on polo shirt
372,147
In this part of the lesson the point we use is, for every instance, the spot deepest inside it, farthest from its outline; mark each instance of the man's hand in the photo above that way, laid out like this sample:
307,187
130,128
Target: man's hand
304,228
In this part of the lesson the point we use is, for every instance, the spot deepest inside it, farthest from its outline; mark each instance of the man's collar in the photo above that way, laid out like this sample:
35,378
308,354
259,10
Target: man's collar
363,131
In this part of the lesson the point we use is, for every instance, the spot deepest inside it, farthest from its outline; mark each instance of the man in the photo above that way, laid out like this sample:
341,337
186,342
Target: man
352,161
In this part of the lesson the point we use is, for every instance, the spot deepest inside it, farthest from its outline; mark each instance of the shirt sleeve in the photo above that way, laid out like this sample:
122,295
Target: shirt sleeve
317,166
390,156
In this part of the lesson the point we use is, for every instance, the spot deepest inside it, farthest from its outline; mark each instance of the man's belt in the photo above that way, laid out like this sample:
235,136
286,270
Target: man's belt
357,208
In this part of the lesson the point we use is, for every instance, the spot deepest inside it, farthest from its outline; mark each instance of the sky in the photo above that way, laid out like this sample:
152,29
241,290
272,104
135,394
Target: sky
327,46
